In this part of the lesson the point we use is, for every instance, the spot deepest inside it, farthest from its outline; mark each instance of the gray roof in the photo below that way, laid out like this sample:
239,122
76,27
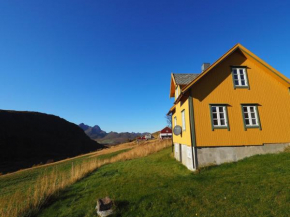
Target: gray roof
184,79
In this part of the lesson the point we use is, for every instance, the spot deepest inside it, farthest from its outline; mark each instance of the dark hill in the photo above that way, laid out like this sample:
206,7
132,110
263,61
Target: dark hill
28,138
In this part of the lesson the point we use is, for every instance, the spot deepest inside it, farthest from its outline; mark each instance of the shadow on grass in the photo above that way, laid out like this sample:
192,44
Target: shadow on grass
121,206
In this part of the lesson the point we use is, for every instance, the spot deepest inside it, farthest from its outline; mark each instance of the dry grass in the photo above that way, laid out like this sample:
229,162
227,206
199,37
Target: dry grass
287,149
27,202
92,154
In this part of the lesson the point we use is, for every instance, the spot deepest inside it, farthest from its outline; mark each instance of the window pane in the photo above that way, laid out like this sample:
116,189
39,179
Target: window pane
222,115
215,122
247,121
213,109
243,83
236,77
253,115
246,115
236,82
254,121
245,108
235,71
252,109
223,122
241,71
242,77
214,115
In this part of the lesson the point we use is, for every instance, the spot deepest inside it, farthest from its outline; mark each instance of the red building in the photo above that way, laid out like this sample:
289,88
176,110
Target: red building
166,133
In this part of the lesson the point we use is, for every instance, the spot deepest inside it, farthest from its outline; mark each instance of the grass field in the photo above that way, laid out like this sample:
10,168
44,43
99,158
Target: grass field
24,192
25,178
158,185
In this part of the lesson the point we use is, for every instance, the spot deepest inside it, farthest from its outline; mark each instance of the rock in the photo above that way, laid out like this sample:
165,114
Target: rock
104,207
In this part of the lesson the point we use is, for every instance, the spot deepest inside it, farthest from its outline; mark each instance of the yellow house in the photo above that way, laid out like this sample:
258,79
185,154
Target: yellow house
237,107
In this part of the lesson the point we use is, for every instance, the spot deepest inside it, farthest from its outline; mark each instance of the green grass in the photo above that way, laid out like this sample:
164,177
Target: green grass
158,185
27,178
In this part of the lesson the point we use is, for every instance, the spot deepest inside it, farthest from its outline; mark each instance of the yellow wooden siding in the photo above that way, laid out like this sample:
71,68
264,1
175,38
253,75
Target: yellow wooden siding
217,87
185,137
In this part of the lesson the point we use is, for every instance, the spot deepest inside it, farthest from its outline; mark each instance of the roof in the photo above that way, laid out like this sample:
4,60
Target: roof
247,53
166,130
279,76
184,79
171,109
180,79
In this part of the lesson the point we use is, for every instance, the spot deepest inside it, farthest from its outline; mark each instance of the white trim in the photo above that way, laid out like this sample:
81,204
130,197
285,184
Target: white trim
220,111
239,73
176,92
166,134
183,120
249,114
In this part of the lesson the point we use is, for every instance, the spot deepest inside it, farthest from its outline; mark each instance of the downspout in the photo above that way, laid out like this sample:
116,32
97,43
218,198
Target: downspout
192,131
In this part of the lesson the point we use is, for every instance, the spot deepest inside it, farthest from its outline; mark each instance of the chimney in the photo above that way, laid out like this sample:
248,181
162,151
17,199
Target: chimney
204,66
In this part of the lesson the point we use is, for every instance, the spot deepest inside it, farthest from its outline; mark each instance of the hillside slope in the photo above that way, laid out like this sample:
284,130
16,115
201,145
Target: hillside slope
256,186
28,138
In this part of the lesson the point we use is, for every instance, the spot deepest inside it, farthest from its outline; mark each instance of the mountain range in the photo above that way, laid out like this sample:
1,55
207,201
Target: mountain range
111,138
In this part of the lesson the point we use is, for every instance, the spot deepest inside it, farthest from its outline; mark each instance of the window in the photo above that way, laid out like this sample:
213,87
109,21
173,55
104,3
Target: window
219,117
175,121
240,77
183,120
176,92
251,116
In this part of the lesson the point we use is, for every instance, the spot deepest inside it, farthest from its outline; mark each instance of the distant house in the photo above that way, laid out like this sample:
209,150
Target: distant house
236,107
148,136
165,133
141,138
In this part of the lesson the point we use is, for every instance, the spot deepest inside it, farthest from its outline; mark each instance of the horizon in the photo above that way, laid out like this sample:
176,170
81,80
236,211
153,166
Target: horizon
109,63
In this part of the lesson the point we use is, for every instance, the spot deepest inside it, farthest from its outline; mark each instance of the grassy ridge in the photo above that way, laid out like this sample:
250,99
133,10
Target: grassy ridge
24,179
22,197
157,185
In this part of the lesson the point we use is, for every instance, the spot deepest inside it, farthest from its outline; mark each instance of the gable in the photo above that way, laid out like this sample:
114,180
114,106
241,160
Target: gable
178,79
274,73
216,87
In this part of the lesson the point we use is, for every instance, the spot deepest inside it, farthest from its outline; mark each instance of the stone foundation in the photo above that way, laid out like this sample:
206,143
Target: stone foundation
206,156
184,154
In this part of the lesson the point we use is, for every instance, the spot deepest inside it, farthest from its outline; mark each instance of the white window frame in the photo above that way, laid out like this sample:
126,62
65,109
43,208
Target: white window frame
216,116
248,115
238,77
183,120
176,92
175,121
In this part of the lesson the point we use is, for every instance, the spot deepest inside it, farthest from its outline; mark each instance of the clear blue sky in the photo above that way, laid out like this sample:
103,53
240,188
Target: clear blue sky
108,62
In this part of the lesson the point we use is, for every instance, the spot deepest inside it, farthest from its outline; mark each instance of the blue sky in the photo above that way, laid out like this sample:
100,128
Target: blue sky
108,62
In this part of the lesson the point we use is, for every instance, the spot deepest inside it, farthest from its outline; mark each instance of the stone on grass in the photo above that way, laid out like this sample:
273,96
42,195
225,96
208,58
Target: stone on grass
104,207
